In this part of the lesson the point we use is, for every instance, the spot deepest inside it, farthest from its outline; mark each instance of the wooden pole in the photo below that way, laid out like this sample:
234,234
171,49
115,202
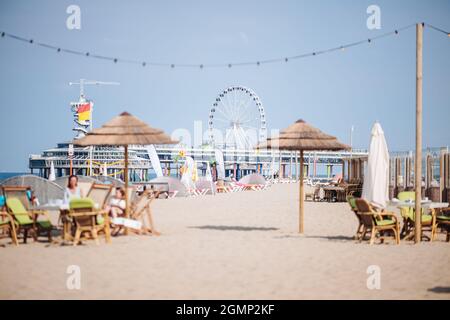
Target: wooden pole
281,167
343,170
441,175
127,212
301,195
418,162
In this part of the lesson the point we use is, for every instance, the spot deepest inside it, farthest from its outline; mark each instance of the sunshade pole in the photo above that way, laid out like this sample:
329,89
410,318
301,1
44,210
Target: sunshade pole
126,186
301,192
418,163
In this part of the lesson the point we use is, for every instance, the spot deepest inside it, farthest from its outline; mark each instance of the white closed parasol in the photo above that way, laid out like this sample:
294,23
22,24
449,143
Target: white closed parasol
376,179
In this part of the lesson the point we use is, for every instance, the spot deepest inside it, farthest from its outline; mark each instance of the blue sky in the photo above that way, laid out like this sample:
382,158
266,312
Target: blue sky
333,92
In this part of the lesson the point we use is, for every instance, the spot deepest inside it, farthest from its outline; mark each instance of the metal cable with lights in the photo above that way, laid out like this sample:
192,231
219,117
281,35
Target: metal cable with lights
286,59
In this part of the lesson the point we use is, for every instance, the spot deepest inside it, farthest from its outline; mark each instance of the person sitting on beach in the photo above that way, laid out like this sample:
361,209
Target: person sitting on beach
72,190
32,197
117,204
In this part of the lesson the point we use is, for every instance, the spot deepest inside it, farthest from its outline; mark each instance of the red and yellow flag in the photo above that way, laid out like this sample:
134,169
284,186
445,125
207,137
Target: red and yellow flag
84,112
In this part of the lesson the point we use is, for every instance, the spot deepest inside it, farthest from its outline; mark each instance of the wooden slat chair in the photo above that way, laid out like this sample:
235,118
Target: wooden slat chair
24,219
442,221
84,187
100,193
359,231
141,211
377,223
131,196
8,227
41,218
85,219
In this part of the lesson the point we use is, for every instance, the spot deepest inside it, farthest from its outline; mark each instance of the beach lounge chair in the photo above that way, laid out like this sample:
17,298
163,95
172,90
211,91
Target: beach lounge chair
19,192
359,231
442,222
197,192
43,224
172,194
141,211
99,193
409,217
377,223
221,187
8,227
84,186
140,219
88,220
27,221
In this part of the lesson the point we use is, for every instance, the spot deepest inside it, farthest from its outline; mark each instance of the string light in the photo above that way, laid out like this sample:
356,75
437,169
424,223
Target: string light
89,54
437,29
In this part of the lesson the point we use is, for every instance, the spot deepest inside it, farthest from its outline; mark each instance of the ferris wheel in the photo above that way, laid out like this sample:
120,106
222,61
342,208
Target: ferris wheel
237,119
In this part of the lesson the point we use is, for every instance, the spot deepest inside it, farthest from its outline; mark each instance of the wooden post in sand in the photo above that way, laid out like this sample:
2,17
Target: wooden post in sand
441,174
301,195
418,162
127,211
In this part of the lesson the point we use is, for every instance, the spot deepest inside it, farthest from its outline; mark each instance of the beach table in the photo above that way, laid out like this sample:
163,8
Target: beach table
426,204
63,209
334,192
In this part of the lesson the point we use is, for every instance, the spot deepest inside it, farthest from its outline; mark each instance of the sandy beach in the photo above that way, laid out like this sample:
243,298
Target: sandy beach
232,246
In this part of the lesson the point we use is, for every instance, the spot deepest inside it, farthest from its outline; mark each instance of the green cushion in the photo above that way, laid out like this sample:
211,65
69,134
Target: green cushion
82,203
45,224
100,219
352,202
425,217
446,218
385,222
403,196
406,195
19,211
2,223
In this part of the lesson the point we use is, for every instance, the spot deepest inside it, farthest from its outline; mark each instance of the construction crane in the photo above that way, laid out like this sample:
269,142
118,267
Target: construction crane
83,99
84,82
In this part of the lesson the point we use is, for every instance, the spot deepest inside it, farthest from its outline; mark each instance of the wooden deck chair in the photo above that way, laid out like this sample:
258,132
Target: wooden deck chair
377,223
86,220
220,187
40,218
23,219
141,211
84,186
359,231
132,194
172,194
8,227
131,197
99,193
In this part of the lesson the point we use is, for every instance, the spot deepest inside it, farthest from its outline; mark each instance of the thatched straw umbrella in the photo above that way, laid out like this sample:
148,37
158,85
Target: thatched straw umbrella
301,136
124,130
